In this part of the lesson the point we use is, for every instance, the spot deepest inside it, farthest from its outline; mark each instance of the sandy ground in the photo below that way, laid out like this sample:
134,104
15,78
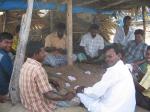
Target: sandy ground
84,74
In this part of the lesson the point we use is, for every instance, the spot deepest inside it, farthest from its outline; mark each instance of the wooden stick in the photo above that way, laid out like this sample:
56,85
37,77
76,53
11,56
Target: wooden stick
113,4
144,20
69,32
87,3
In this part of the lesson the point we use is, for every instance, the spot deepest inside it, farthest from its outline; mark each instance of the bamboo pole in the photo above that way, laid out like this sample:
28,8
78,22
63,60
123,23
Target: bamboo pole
69,32
4,21
51,20
87,2
20,54
144,20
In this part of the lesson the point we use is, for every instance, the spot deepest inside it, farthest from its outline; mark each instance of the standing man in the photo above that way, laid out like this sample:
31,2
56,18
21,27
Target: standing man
124,34
6,66
92,43
115,92
37,95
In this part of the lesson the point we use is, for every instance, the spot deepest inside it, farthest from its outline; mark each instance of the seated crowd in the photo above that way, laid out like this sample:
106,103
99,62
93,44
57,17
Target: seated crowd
127,73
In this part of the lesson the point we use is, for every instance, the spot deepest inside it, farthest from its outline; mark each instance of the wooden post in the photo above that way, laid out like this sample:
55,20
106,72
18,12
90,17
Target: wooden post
4,20
51,20
144,20
20,54
69,32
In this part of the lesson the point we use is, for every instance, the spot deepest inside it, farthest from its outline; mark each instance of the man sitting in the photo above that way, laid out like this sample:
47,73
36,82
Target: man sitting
115,92
135,49
91,43
6,66
55,43
36,94
143,83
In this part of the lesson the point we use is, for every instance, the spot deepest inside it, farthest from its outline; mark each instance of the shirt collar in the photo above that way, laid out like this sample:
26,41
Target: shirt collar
33,61
119,63
64,36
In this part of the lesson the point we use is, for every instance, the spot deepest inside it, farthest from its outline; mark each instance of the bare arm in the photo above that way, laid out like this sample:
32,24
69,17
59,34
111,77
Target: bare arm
138,86
51,95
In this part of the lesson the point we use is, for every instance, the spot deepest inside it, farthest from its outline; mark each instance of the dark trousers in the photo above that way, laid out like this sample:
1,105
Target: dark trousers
142,101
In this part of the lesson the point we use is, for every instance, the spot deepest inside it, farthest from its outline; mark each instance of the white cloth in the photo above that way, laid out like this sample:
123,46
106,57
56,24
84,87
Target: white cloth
123,39
92,45
114,93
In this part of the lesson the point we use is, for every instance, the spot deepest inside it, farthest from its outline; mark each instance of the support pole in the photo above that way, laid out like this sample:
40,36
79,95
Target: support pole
69,32
51,20
20,54
144,20
4,21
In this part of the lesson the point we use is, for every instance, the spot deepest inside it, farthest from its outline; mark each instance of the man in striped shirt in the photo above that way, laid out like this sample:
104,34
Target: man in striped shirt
37,95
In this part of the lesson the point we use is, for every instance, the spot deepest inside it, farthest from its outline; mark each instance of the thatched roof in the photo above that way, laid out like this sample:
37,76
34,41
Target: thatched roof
95,4
113,4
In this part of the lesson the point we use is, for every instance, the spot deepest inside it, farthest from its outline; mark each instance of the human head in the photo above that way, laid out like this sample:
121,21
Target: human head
120,50
139,34
112,54
35,50
6,40
148,54
127,21
94,30
61,27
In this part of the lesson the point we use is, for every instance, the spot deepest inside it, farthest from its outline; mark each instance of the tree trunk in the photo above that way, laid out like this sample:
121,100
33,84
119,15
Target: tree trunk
20,55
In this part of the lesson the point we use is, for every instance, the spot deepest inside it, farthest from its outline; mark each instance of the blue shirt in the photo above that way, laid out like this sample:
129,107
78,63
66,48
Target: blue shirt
135,52
6,67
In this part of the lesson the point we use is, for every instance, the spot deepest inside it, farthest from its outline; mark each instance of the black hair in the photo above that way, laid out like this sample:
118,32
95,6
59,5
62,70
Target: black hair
139,31
5,35
126,18
148,48
33,47
117,48
94,27
18,28
61,26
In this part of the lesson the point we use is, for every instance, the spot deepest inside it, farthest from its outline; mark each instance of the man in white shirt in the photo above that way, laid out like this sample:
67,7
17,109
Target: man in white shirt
124,33
115,92
92,43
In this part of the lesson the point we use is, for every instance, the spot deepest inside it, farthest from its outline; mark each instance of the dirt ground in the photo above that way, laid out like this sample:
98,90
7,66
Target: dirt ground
84,74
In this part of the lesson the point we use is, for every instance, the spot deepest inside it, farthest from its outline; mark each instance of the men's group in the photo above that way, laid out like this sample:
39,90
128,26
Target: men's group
125,83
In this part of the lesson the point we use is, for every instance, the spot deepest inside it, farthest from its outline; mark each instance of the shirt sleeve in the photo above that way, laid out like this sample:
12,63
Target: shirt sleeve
42,81
6,65
99,89
101,43
117,35
132,36
145,49
48,41
83,41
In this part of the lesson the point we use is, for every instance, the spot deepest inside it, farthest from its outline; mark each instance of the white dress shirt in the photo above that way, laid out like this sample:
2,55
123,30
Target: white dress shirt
92,45
114,93
123,39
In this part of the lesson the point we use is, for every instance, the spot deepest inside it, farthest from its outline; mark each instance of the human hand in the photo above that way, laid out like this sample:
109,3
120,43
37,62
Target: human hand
135,67
69,95
55,84
80,89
